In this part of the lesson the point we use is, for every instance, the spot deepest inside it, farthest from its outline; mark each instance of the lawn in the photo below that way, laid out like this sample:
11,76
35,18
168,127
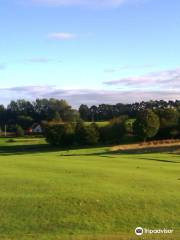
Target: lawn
100,124
49,194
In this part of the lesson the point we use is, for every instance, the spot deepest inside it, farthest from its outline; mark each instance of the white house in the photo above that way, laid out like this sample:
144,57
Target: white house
36,128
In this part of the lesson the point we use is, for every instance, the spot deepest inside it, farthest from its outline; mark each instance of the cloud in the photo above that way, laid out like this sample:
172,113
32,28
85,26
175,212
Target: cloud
62,36
90,3
86,96
169,79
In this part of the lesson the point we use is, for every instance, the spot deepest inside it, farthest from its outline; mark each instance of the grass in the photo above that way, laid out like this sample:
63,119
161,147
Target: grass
85,194
100,124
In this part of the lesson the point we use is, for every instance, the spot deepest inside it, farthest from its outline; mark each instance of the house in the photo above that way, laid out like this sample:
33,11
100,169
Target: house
36,128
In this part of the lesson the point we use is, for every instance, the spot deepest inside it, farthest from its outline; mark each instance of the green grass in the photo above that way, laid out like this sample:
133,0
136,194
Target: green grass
100,124
85,194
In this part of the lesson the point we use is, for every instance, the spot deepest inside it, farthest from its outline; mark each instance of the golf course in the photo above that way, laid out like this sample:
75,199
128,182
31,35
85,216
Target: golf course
91,193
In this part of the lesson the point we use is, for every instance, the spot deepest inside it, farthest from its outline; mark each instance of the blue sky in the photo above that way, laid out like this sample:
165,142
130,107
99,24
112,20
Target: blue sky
90,52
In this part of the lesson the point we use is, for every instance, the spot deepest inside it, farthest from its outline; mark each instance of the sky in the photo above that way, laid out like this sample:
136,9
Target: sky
90,51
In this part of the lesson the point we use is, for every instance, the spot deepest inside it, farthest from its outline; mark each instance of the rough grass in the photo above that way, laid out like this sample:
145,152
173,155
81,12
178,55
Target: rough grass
150,146
85,194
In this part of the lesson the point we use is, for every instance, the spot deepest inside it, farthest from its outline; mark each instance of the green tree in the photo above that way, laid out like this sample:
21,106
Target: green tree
80,133
19,131
59,134
84,112
92,134
57,117
86,135
168,117
24,121
147,124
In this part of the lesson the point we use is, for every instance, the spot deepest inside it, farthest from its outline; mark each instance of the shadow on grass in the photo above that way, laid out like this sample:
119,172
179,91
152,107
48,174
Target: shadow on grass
160,160
107,153
26,149
145,151
43,148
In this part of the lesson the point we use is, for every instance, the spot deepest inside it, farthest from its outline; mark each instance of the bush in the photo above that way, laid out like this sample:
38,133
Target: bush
167,133
92,134
168,117
80,133
11,140
114,132
86,135
19,131
59,134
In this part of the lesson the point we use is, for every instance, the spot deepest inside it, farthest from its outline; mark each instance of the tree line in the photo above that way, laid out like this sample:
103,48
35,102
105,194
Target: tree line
104,112
24,113
148,124
152,119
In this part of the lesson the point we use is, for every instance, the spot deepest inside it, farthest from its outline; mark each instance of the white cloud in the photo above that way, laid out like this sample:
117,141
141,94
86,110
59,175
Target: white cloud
169,79
62,36
87,96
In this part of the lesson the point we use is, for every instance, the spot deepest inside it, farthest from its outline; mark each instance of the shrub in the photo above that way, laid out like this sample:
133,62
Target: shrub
114,132
86,135
59,134
11,140
168,132
92,134
168,117
19,131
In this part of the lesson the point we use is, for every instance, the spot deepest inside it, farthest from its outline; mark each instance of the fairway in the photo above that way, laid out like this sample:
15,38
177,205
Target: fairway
57,194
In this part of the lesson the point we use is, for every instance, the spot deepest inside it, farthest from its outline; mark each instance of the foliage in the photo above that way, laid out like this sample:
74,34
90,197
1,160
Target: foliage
84,112
80,133
57,117
24,121
19,131
25,114
147,124
114,132
92,134
59,134
67,134
105,112
168,117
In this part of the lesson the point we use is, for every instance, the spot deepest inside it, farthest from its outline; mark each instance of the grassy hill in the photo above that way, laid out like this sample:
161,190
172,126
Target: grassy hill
85,194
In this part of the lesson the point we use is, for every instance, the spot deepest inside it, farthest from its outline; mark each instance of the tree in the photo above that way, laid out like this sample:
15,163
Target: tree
168,123
57,117
24,121
19,131
86,135
91,134
2,115
168,117
146,124
59,134
84,112
80,133
71,115
117,129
